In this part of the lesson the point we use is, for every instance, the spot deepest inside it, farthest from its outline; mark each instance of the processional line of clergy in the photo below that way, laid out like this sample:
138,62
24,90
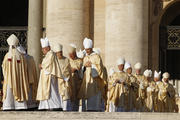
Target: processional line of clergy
81,82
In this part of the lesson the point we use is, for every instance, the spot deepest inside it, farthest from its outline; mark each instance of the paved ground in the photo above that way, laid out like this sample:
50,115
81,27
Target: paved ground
86,115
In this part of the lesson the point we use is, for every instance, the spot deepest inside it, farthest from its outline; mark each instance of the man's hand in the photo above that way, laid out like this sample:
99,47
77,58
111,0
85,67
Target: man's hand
40,66
116,81
88,64
73,70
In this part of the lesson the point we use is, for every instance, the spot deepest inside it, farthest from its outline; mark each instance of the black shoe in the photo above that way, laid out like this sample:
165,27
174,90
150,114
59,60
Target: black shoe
32,109
56,109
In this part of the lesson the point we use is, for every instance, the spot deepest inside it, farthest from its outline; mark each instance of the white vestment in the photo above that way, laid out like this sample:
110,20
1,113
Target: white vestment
10,104
113,108
54,101
67,105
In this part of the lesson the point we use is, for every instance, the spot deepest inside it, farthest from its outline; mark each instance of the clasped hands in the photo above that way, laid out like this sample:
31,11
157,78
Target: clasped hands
88,64
120,81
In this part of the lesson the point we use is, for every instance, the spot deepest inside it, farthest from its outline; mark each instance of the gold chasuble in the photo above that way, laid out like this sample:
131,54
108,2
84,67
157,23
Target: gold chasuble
50,68
143,84
157,104
167,97
150,96
65,83
133,92
94,79
15,76
138,77
119,92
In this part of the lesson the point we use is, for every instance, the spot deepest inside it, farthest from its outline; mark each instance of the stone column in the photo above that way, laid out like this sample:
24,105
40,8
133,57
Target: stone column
35,29
99,26
126,31
67,22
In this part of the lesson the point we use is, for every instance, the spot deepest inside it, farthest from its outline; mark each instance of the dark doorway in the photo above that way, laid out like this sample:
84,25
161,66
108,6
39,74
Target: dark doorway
14,13
170,50
169,42
13,20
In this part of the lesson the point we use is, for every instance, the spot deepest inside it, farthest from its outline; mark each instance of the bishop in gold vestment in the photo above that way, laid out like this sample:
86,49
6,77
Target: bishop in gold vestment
93,84
119,85
15,87
64,83
143,84
166,95
47,92
133,90
139,78
157,104
150,95
76,65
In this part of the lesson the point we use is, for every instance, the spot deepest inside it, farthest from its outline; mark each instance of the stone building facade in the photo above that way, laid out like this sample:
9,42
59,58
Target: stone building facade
138,30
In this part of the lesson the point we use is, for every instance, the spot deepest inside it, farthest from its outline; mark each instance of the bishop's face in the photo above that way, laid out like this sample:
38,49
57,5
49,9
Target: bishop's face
72,55
166,80
129,70
45,50
59,54
138,71
149,78
121,67
156,79
88,51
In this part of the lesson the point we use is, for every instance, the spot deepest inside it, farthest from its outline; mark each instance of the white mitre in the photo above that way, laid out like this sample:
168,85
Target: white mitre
13,41
138,66
87,43
121,61
157,74
127,65
166,75
56,47
147,73
72,48
44,42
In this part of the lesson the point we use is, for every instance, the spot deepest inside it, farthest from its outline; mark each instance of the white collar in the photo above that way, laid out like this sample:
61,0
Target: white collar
157,82
93,53
120,71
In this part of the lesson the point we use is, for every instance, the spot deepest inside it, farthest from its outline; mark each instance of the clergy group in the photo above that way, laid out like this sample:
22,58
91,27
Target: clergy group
80,82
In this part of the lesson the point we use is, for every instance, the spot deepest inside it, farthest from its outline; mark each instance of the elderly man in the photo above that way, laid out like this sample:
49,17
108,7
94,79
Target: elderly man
110,85
143,84
166,94
92,88
15,87
157,80
64,83
76,65
133,91
119,89
32,78
47,92
150,94
138,74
